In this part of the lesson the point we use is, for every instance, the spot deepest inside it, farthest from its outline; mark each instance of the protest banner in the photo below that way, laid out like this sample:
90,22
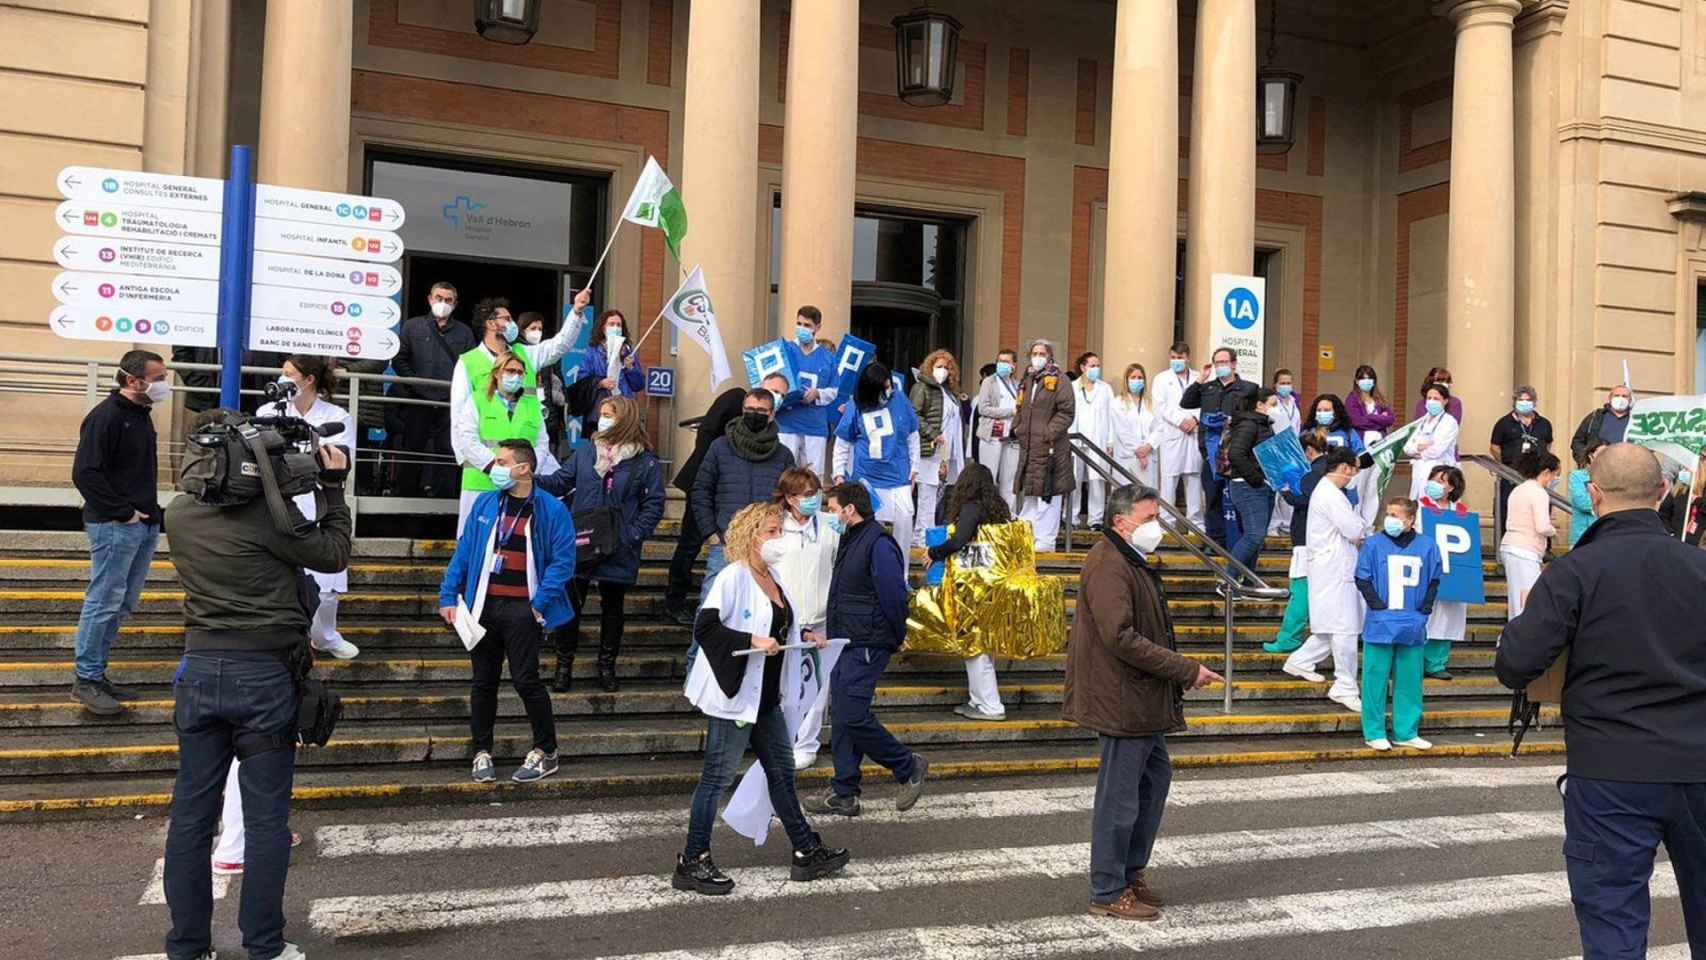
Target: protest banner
1458,537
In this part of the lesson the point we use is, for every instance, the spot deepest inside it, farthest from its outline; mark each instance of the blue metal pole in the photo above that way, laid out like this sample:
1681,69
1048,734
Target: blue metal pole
236,267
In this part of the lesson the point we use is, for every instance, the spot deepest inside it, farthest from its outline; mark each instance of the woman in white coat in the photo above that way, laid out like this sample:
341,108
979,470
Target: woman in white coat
1434,441
997,401
1133,428
808,561
740,696
938,403
1181,458
1093,418
1335,607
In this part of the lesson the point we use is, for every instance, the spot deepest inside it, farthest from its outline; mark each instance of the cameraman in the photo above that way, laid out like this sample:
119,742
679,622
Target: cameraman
245,630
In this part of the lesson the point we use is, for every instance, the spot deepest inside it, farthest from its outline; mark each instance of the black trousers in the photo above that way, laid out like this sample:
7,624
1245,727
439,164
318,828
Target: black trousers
426,433
512,634
611,597
681,564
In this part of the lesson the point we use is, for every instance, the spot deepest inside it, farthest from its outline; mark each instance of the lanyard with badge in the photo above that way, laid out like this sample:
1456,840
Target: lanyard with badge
505,532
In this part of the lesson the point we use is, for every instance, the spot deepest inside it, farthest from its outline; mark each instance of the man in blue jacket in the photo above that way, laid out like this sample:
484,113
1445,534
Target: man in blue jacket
867,606
740,468
511,569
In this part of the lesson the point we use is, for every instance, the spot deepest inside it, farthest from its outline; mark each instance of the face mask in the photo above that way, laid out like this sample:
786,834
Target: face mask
1283,389
1135,385
755,420
512,383
1176,365
775,400
1683,477
1620,404
808,505
501,477
288,384
442,309
613,332
1093,374
511,331
1222,371
1003,368
772,551
533,336
1435,408
1037,363
159,391
804,335
1393,526
941,374
1366,384
605,423
1525,407
836,523
1146,537
1324,417
1434,490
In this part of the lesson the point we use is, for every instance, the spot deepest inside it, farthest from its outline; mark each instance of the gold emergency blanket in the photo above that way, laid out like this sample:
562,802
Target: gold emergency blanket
992,601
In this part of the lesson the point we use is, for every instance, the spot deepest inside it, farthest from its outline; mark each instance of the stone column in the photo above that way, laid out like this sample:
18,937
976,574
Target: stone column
820,139
1143,187
212,89
1220,235
719,186
305,90
1481,250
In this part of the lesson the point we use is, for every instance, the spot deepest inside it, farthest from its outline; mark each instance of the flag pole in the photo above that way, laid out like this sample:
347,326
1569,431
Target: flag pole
643,336
608,244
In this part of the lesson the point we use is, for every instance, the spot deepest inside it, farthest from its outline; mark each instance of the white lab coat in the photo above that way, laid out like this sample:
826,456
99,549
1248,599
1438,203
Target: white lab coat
1433,444
740,601
1335,606
1179,453
1134,425
1286,415
465,440
323,412
804,572
1092,411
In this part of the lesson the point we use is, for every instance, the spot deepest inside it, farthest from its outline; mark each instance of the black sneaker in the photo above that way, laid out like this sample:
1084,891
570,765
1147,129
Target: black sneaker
912,789
95,698
1440,675
820,861
829,803
700,875
118,692
681,612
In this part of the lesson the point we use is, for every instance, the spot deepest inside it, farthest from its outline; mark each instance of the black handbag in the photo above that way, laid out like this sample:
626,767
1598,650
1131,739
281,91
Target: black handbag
598,530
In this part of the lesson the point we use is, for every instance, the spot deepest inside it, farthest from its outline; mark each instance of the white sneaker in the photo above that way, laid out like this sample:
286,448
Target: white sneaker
1382,744
1416,743
1353,704
292,952
340,648
803,760
1303,674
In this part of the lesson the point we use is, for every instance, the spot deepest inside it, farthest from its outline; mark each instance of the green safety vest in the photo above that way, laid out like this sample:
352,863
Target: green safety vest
497,421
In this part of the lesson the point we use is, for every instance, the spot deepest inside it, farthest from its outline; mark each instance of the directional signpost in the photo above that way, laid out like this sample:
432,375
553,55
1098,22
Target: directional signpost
158,258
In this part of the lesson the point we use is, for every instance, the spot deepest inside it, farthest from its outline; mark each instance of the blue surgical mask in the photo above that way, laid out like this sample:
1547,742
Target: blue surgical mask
1435,490
1135,385
1324,417
1366,384
605,423
501,477
809,505
836,523
1093,374
1525,407
1683,477
1283,389
1393,526
1222,371
511,331
803,335
512,383
1435,408
1003,368
1176,365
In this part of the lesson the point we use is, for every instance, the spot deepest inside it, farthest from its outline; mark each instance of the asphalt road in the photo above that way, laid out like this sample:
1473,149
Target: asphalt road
1411,859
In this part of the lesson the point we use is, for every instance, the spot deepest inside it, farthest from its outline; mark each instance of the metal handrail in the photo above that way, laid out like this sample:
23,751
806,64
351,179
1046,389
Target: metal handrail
1502,472
1238,584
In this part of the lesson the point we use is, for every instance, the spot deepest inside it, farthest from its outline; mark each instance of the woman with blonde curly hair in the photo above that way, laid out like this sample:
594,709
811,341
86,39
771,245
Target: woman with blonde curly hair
938,402
747,609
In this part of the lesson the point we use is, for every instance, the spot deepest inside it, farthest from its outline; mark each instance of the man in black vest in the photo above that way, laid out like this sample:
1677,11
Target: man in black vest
867,606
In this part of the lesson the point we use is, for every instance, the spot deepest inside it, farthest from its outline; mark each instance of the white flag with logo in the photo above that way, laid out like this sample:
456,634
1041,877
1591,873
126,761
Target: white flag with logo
690,310
805,674
655,203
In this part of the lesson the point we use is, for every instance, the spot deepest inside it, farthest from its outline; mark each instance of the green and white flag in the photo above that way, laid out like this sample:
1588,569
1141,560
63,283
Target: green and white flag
655,203
1386,452
1672,427
691,312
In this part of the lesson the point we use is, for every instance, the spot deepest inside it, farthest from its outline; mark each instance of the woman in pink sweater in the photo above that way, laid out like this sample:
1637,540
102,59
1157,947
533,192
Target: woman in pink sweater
1528,526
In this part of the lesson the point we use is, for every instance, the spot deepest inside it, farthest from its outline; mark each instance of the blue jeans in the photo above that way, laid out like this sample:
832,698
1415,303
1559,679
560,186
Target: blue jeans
225,701
855,732
1254,506
1611,830
725,744
1131,794
119,554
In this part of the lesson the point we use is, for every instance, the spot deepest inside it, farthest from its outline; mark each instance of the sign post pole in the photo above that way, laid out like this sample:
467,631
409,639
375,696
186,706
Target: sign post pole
236,265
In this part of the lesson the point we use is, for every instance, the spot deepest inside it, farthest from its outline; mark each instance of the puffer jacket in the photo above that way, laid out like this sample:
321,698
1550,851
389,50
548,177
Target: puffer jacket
727,481
1248,429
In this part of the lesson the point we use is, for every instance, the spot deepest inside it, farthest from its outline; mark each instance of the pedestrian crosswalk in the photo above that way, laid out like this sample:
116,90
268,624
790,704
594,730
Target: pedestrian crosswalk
1452,843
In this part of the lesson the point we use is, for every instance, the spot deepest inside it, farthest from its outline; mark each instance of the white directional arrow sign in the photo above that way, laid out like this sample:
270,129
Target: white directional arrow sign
120,322
139,223
330,339
180,260
284,236
318,206
323,307
166,191
78,288
320,273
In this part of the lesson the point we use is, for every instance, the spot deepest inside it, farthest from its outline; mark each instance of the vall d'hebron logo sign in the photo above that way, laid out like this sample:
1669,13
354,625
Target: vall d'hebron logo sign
464,213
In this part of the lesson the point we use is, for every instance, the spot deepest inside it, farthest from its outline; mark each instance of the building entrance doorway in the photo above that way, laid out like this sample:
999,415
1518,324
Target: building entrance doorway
526,287
904,321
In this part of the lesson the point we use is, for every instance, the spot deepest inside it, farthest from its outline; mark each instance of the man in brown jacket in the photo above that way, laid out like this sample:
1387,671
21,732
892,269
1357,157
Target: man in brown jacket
1045,457
1125,680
